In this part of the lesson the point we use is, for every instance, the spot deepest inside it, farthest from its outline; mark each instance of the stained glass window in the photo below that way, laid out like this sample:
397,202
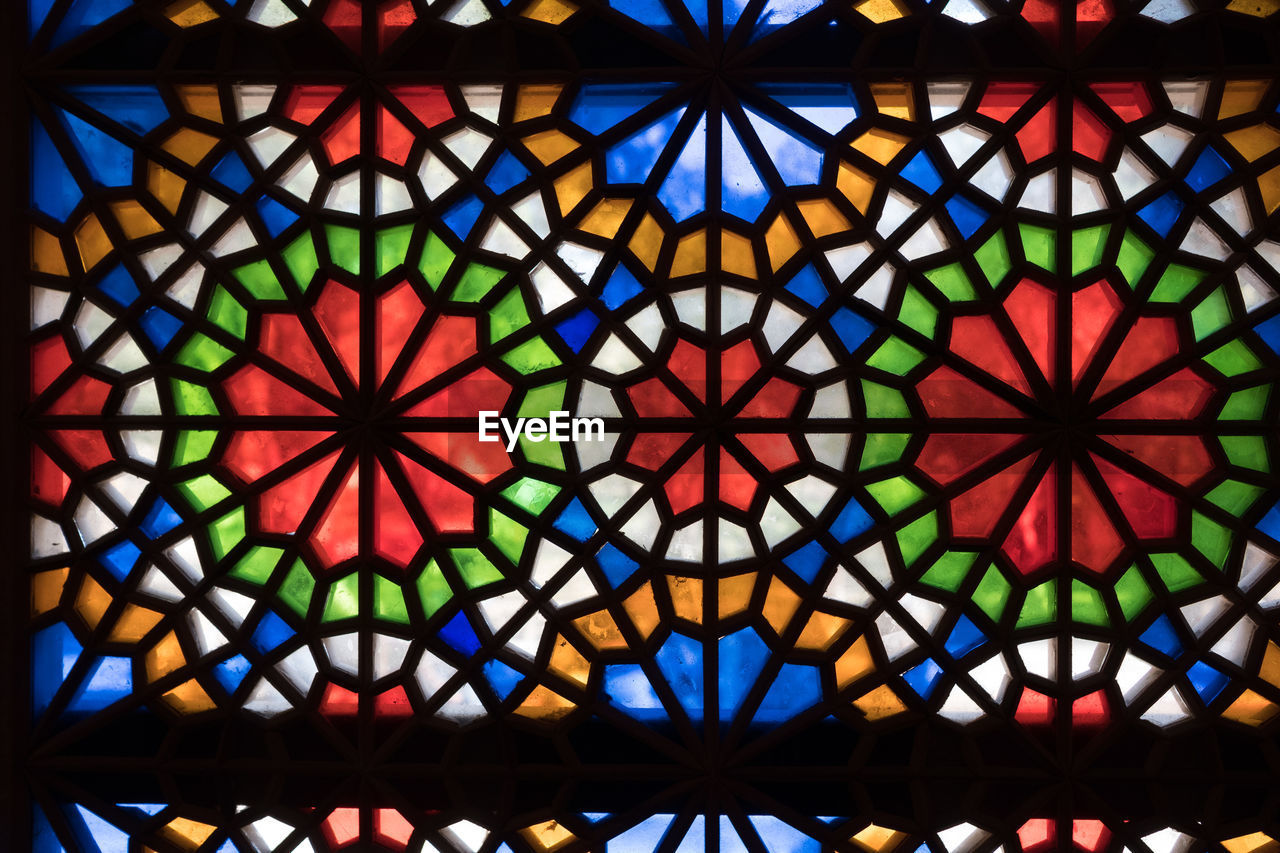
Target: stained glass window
645,426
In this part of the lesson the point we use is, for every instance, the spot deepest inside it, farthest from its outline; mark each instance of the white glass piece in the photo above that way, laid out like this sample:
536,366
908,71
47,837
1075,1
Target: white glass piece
812,492
532,211
1168,142
1087,657
550,287
1202,241
993,676
300,179
186,559
994,177
1040,657
596,401
484,100
1041,193
252,99
777,524
1132,176
1168,11
592,454
736,308
1170,709
1254,292
233,606
266,701
647,325
500,239
1187,96
497,611
124,489
466,13
432,674
343,652
388,655
549,560
845,260
436,177
46,305
299,669
466,835
344,194
1201,615
927,614
686,544
91,321
268,144
643,527
963,142
123,356
963,837
967,11
141,399
733,542
186,289
831,401
780,324
47,538
830,449
1234,645
691,308
1234,211
616,357
847,589
876,562
208,638
525,642
91,522
897,208
613,491
583,260
1134,676
159,259
1167,840
238,238
1086,193
876,289
896,641
462,707
946,97
270,13
468,144
390,195
1255,565
266,834
929,239
959,707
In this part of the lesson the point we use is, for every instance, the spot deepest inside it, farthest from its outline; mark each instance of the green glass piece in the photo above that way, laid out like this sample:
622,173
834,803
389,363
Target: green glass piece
1134,258
392,247
895,494
226,533
917,313
545,453
896,356
388,601
881,448
228,314
203,353
300,258
1211,314
1233,359
508,535
474,568
950,570
476,282
344,247
189,399
543,400
433,589
1176,283
1041,605
533,496
204,492
993,257
1133,593
1175,572
343,601
507,316
915,538
1211,539
436,260
1040,246
952,282
260,280
1087,245
531,356
1087,606
297,588
1247,451
193,446
1247,404
884,402
992,594
257,565
1234,496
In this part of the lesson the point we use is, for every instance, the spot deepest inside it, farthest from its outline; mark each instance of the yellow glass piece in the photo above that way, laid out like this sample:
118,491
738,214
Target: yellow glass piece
550,11
201,101
601,631
568,663
646,243
1269,184
691,254
855,663
572,187
92,602
188,698
1257,8
1258,842
735,595
536,100
880,11
93,242
1251,709
1241,96
686,597
547,836
134,624
642,610
190,146
823,217
856,185
880,704
821,631
46,253
605,219
543,703
780,605
166,186
880,145
1256,141
46,590
1270,670
737,255
190,13
878,839
165,657
134,219
781,241
549,146
186,833
894,99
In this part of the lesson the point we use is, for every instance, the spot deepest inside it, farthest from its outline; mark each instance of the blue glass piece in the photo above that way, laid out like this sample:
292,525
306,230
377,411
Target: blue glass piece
109,161
699,11
852,329
37,11
628,687
100,835
160,520
459,634
232,173
120,559
853,520
150,809
684,191
600,106
806,561
645,835
54,651
231,672
730,840
1162,213
139,108
119,286
776,14
159,326
695,840
43,838
781,837
680,660
1162,637
1208,170
806,285
742,190
108,680
1270,334
795,689
617,566
575,521
53,190
84,15
921,172
596,817
631,160
461,218
652,14
923,678
271,632
506,173
577,330
731,12
275,216
621,287
830,106
967,216
502,678
1207,681
742,657
798,161
965,637
1270,523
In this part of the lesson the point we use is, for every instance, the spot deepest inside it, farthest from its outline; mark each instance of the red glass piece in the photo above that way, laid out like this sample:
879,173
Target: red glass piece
465,452
86,396
394,139
342,139
1095,542
1150,511
253,391
450,509
1091,17
1178,397
342,827
49,483
773,451
1182,458
1039,136
1002,100
282,507
451,341
1093,310
737,487
252,454
337,536
653,399
397,312
1031,308
465,398
978,341
393,19
652,450
284,340
777,399
49,358
975,513
1038,834
1033,541
344,18
1150,341
429,104
947,394
339,702
396,537
685,487
391,703
1035,709
306,103
338,311
389,826
1090,835
737,364
689,364
1129,101
1043,15
88,447
1091,711
946,458
1090,136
